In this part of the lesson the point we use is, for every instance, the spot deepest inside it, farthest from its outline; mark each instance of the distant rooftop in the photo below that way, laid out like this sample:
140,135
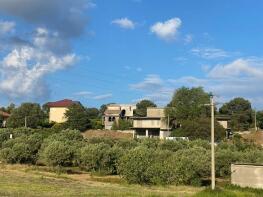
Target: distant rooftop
62,103
4,114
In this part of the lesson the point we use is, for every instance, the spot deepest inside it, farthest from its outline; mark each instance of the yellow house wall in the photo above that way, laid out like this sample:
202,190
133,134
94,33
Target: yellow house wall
57,114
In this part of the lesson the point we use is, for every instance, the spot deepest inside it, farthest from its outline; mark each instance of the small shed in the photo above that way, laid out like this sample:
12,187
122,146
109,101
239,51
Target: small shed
247,175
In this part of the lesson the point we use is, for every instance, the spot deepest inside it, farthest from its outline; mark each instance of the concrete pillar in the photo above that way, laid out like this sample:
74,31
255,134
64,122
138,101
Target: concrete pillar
147,133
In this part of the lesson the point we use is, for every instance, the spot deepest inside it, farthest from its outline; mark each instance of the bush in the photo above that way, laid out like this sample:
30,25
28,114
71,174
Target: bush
224,159
146,166
100,157
121,125
173,145
105,140
58,153
19,153
96,124
134,165
191,165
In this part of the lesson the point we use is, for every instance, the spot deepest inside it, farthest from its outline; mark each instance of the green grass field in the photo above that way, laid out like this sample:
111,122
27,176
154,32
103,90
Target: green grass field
18,180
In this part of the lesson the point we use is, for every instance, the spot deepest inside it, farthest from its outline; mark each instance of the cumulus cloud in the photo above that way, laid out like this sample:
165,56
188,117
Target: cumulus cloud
210,53
167,30
124,23
238,68
64,16
154,88
7,27
22,71
46,48
241,77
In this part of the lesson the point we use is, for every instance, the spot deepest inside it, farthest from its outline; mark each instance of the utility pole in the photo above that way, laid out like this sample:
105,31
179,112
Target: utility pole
256,120
25,122
168,123
212,142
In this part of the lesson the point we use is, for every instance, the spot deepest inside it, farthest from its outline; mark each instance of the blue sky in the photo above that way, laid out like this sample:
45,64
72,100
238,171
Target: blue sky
126,50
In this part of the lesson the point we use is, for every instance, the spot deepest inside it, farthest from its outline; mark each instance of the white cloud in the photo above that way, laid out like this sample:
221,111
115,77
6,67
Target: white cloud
151,82
167,30
124,23
154,88
103,96
83,93
23,71
210,53
238,68
91,95
7,27
241,77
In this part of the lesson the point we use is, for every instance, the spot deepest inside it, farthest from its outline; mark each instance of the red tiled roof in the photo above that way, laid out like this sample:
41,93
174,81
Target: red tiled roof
62,103
4,114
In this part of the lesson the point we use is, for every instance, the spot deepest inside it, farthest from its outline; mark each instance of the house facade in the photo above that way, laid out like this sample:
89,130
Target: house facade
58,109
223,120
115,111
153,125
4,116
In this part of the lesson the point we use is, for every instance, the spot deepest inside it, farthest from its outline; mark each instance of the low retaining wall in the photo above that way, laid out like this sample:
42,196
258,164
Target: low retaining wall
247,175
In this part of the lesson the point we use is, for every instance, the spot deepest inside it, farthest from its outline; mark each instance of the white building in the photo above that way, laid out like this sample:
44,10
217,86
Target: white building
115,111
153,125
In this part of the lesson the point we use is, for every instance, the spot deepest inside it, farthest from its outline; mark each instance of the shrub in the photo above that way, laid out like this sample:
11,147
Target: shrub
4,136
122,125
100,157
150,142
191,165
126,143
133,165
105,140
173,145
19,153
58,153
7,156
224,159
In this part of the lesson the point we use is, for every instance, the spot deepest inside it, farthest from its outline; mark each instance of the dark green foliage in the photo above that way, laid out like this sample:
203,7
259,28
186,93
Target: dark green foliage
133,165
93,113
77,118
105,140
188,104
96,124
260,119
199,129
122,125
58,153
100,157
141,107
143,161
148,166
240,111
31,112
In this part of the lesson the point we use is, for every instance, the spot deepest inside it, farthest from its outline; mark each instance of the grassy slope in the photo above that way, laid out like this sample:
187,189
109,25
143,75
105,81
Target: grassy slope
26,181
18,180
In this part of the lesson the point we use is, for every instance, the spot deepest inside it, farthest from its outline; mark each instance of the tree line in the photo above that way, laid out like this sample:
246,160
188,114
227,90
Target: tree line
186,110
